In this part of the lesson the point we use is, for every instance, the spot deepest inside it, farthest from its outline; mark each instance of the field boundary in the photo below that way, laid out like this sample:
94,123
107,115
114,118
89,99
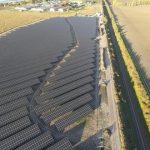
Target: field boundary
135,94
132,3
138,86
137,65
22,26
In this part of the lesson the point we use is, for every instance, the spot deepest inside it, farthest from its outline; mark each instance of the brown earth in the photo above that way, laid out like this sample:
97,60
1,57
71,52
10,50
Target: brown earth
136,25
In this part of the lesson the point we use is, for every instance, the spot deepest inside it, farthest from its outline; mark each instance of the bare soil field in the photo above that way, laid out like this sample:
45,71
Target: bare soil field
135,22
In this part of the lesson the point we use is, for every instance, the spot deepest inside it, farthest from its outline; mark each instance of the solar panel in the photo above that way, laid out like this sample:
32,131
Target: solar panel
80,53
17,139
38,143
77,57
70,106
63,144
22,79
22,73
71,72
25,68
73,66
12,116
47,58
13,105
68,96
67,88
70,61
74,116
19,87
14,127
15,95
56,84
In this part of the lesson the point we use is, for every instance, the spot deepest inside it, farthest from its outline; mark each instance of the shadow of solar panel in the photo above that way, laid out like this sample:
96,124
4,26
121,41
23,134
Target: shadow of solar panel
38,143
70,106
17,139
63,144
14,127
74,116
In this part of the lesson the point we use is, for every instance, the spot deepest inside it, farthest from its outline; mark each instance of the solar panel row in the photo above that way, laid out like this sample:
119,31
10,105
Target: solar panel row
12,116
13,105
72,72
22,79
19,138
73,66
74,116
47,58
63,144
15,95
56,84
24,69
38,143
14,127
68,62
66,88
22,73
83,53
18,87
70,106
66,97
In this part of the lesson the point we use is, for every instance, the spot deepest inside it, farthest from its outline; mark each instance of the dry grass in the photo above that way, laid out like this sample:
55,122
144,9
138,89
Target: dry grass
90,10
130,2
9,18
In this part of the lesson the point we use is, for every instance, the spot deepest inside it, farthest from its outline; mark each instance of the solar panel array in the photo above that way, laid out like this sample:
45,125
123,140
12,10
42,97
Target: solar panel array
38,143
28,104
20,137
13,127
74,116
70,106
64,144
